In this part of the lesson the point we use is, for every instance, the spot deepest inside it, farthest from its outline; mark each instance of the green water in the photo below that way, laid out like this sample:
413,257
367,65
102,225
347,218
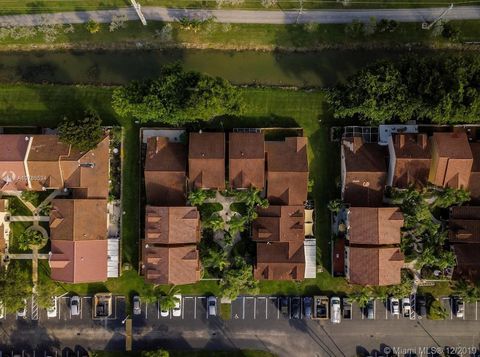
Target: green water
322,68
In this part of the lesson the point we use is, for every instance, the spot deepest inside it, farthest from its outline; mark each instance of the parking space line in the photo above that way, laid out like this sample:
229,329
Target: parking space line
278,308
374,309
289,307
183,308
243,313
158,308
476,309
254,308
362,311
146,311
386,311
266,309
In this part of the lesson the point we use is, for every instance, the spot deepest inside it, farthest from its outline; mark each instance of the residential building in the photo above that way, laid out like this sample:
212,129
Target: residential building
279,232
206,161
246,167
13,166
464,235
169,250
372,253
78,233
287,171
363,172
452,160
474,183
409,160
165,172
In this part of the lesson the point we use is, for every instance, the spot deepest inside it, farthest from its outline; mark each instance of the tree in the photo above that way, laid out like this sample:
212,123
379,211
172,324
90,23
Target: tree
335,206
214,222
216,259
451,32
83,134
92,26
157,353
447,197
45,290
252,199
237,224
29,238
467,291
169,300
31,196
439,89
385,25
15,285
177,97
355,29
361,297
237,279
198,197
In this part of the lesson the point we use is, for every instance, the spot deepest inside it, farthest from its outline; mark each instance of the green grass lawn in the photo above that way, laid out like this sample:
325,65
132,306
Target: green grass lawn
16,230
246,36
44,105
17,208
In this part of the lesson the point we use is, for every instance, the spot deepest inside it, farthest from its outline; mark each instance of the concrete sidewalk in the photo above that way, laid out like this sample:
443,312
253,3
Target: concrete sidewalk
248,16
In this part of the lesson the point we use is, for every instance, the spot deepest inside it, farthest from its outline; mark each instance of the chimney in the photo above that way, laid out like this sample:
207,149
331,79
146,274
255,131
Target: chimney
422,140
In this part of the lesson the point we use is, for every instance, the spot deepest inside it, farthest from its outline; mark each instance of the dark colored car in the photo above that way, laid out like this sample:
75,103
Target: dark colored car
295,308
370,310
421,303
284,306
307,307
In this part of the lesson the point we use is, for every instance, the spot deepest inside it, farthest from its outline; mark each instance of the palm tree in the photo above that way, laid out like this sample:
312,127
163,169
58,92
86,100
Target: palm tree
468,292
216,259
335,206
237,224
197,197
169,300
214,222
361,297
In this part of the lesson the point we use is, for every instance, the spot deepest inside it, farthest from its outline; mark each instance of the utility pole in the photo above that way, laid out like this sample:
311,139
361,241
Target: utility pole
428,26
138,9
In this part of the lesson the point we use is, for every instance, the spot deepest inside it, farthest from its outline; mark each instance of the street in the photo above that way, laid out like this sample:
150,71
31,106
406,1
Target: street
256,323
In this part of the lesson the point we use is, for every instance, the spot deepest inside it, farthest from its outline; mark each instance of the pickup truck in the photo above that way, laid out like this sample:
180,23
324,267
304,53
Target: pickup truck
347,309
320,307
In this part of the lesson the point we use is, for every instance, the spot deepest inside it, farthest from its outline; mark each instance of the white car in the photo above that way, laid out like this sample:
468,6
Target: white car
212,306
406,307
75,305
163,312
394,306
335,309
52,309
177,310
22,311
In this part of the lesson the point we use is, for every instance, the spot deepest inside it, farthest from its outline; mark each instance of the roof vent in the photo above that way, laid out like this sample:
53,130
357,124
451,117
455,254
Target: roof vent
89,165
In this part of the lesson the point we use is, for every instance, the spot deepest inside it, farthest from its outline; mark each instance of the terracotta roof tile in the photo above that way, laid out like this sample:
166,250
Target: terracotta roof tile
370,225
206,160
287,171
13,149
246,160
468,262
464,224
474,183
375,266
165,172
275,262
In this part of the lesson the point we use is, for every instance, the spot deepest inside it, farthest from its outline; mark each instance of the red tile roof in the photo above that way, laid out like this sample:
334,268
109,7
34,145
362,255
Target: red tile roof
246,160
375,266
468,262
452,160
165,172
172,225
370,225
175,265
206,160
474,183
276,262
13,149
287,171
412,160
365,172
464,224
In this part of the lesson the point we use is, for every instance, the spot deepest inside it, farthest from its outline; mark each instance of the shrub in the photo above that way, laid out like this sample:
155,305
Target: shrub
92,26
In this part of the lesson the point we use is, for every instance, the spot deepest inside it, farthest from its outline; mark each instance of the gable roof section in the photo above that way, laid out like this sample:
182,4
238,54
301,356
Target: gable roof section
206,160
365,172
275,261
287,171
165,172
464,224
175,265
370,225
474,183
13,150
172,225
279,224
412,160
468,262
246,160
375,266
78,219
452,160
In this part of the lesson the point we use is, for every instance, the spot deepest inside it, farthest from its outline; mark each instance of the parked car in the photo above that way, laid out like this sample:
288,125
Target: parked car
284,306
335,309
22,311
75,305
406,307
347,309
421,303
52,309
459,308
307,307
295,308
137,305
394,306
212,306
370,307
177,309
163,311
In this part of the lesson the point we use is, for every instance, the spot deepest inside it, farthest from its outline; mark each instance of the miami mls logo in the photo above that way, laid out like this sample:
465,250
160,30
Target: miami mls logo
8,176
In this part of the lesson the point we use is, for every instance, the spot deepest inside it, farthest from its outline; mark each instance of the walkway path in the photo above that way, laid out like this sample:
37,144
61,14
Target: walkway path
29,219
249,16
26,256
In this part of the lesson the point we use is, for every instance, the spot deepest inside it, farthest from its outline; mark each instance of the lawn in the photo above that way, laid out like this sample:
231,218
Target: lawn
44,105
17,208
244,36
16,230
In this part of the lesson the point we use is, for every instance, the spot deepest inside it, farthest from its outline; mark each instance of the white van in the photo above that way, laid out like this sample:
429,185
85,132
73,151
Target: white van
335,310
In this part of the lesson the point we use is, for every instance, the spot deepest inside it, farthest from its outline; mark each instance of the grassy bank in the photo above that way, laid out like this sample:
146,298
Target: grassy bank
44,105
203,353
242,36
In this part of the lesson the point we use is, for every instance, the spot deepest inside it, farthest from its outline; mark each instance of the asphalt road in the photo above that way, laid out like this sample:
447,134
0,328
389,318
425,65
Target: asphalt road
249,16
256,323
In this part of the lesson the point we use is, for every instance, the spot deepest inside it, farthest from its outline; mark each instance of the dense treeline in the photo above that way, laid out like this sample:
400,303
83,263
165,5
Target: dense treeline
439,89
177,97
